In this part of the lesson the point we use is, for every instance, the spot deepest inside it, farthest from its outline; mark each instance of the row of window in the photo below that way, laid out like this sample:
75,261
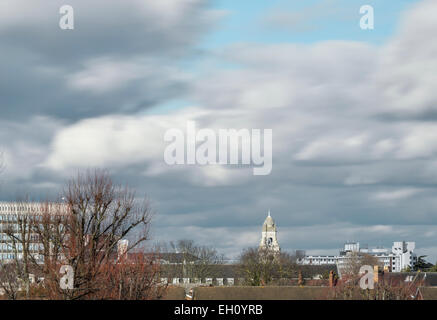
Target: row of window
35,208
9,247
10,256
7,256
14,217
6,238
8,217
21,209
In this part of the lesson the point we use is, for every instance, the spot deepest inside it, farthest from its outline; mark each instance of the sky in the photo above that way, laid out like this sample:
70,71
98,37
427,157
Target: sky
353,113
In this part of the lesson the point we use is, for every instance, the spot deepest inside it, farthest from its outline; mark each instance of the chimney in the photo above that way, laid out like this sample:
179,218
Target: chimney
300,279
331,279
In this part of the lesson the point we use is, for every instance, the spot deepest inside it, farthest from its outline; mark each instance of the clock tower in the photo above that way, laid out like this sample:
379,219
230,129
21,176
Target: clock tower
269,238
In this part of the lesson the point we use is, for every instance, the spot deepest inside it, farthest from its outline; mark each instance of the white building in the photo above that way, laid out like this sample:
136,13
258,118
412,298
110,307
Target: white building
400,257
269,235
10,213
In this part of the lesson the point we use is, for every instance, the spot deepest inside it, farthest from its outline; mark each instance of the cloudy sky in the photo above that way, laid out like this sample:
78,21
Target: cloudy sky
353,113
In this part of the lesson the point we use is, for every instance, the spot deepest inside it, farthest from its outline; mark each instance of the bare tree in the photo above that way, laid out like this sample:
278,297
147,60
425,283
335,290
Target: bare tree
355,261
10,283
262,266
84,232
196,261
386,288
133,277
22,242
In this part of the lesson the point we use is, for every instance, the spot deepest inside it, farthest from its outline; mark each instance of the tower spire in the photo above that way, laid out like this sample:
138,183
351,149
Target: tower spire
269,238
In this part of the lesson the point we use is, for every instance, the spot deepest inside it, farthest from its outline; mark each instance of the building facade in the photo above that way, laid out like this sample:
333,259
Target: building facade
400,257
12,225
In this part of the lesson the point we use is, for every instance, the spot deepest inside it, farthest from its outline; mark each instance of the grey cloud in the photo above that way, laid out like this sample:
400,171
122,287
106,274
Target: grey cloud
341,169
164,28
41,60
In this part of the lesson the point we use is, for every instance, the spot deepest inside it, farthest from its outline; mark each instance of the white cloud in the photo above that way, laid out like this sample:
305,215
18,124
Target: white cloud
109,141
102,75
407,64
322,102
395,194
119,141
142,77
357,179
419,142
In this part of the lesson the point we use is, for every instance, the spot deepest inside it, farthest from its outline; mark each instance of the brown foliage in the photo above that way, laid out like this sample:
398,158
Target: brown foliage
386,288
133,277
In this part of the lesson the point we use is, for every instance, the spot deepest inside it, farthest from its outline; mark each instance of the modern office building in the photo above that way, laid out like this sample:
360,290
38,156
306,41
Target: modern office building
398,258
10,214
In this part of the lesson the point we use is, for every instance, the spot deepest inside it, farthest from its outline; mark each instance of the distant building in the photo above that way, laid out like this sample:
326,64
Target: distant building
11,213
18,216
300,254
269,239
400,257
